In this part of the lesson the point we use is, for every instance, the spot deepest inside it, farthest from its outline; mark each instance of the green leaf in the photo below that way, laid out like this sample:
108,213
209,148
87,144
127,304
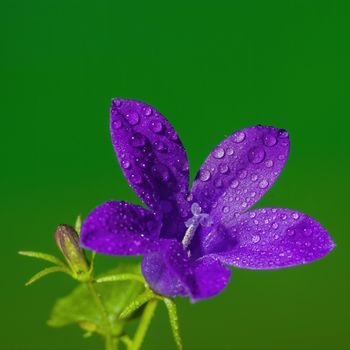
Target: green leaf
79,307
43,256
48,271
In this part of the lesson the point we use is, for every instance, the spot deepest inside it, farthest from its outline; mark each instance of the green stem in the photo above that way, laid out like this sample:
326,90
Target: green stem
144,324
109,341
174,321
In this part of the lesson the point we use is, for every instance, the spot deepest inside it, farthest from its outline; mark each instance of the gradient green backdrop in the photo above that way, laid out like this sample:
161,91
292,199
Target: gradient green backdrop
211,67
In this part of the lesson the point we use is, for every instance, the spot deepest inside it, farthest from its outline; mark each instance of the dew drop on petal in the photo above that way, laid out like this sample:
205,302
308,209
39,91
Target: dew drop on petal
204,175
256,155
242,174
234,184
136,178
263,184
223,168
218,152
156,126
160,146
117,124
282,134
307,231
117,102
147,111
229,151
254,177
269,163
255,238
295,216
126,164
225,210
275,225
138,140
132,118
238,136
290,232
269,140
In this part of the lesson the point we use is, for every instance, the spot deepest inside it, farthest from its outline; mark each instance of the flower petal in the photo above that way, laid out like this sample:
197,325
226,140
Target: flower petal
210,277
120,228
272,239
152,158
240,170
167,270
170,272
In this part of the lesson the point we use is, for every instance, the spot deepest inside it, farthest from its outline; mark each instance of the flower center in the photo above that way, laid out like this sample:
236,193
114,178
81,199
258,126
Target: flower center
192,224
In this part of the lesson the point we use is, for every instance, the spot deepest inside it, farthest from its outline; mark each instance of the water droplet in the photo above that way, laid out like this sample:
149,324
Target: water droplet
204,175
282,134
132,118
234,184
172,135
117,102
263,184
307,231
254,177
156,126
253,194
244,205
275,225
229,151
225,210
256,155
218,152
290,232
147,111
276,236
269,163
242,174
138,140
269,140
252,214
295,216
223,168
281,157
117,124
126,164
160,146
238,136
136,178
255,238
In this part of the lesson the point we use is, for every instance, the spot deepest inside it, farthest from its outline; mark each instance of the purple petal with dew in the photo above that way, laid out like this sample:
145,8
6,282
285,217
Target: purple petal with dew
270,239
240,170
168,270
120,228
210,278
153,160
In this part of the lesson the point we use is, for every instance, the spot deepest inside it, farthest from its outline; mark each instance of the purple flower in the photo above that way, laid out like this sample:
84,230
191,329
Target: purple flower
187,237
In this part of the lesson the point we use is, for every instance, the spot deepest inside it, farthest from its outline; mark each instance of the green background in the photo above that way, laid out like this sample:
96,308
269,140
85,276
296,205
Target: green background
211,67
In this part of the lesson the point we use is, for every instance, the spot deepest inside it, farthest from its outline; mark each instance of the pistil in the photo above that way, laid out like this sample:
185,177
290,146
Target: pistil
192,224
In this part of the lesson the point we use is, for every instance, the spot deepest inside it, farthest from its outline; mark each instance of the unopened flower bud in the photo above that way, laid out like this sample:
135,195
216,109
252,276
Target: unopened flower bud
67,241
